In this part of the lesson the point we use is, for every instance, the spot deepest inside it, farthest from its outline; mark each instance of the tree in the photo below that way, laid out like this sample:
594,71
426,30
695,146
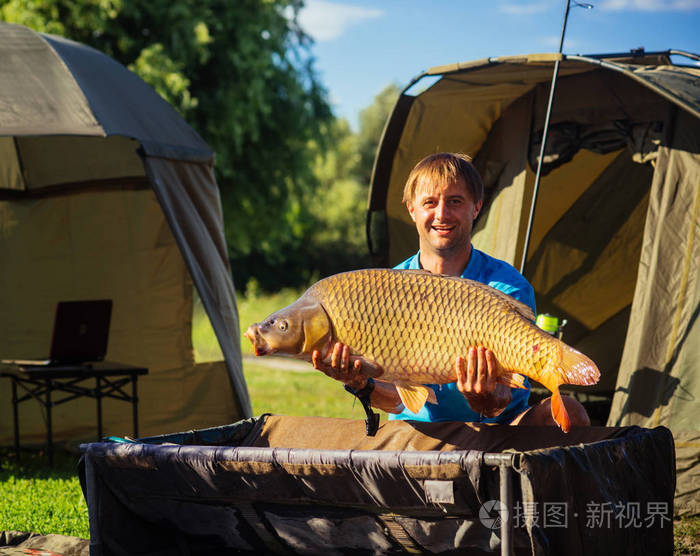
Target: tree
337,242
241,74
372,122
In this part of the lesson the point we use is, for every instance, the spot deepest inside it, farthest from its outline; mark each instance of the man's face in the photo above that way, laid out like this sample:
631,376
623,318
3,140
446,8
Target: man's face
444,214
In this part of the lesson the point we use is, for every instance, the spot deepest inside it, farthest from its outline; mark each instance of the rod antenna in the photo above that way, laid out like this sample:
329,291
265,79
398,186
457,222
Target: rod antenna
552,88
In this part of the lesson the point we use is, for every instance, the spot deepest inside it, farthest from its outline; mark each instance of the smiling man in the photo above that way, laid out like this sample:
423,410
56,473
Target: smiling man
444,194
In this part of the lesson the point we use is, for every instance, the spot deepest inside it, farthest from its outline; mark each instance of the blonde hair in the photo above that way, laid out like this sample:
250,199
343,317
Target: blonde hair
445,167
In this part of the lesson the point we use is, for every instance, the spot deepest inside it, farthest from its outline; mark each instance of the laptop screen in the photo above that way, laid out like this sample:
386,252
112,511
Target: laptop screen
81,331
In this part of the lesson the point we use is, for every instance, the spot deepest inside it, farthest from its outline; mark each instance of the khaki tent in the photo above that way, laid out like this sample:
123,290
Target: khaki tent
105,192
615,242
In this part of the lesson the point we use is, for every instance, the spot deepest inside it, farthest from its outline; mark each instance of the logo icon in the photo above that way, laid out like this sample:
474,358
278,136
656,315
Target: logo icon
491,513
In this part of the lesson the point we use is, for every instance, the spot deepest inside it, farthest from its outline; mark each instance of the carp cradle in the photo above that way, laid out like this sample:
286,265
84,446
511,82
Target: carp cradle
309,485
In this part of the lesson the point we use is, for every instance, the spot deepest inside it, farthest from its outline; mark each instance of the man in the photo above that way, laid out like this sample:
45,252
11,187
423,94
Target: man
444,194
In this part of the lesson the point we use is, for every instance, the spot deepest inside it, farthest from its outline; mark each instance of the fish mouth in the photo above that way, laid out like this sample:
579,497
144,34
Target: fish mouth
260,345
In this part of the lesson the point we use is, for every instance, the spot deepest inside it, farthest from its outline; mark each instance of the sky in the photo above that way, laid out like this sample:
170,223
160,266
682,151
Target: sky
361,46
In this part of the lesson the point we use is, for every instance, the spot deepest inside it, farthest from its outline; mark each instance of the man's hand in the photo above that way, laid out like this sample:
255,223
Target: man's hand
338,366
354,371
477,381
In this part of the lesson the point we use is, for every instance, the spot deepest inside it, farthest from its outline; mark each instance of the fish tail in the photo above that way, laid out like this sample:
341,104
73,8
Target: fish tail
559,413
573,368
576,368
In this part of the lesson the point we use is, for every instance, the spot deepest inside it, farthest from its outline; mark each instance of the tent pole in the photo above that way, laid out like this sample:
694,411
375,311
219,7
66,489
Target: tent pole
546,129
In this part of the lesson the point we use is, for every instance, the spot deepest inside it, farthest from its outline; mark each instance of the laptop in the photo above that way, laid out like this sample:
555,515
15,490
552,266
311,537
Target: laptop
80,334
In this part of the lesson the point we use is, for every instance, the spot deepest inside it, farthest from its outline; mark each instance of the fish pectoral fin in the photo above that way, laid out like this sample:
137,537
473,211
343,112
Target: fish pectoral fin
512,380
414,396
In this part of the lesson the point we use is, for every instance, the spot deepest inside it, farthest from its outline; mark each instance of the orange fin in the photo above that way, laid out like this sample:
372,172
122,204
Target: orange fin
513,380
559,413
576,368
414,396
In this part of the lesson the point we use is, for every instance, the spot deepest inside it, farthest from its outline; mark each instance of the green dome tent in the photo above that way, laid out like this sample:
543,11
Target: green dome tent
615,241
106,192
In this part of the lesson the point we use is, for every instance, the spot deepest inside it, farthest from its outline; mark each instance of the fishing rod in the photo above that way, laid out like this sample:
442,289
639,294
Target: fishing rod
546,126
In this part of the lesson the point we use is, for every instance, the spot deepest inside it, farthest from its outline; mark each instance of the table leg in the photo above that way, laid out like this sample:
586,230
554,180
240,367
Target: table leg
98,396
49,424
15,414
135,405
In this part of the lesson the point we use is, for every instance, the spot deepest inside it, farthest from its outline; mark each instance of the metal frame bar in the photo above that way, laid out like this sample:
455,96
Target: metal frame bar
41,390
504,462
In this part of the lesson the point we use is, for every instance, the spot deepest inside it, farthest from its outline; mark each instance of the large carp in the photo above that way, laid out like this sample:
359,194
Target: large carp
410,326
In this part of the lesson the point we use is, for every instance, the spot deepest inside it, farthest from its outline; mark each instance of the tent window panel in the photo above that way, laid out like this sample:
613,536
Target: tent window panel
41,224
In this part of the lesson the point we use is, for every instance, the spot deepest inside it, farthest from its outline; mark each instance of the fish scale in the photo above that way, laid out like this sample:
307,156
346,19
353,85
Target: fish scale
383,316
412,326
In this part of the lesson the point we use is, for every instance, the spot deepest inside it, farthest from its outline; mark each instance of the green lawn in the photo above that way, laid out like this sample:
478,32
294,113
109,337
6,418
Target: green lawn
36,498
686,536
298,393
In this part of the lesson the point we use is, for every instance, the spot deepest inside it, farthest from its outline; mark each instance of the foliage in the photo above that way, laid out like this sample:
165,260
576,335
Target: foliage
372,122
242,75
294,180
335,241
338,238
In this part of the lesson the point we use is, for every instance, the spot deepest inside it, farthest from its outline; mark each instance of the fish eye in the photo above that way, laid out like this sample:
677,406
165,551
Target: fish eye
283,325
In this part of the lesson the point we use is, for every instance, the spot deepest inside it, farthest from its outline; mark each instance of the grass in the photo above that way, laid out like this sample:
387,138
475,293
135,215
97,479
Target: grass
36,498
686,536
309,393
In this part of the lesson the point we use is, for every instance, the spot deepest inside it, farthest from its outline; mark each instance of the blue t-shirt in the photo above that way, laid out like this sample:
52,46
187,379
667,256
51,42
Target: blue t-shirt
452,406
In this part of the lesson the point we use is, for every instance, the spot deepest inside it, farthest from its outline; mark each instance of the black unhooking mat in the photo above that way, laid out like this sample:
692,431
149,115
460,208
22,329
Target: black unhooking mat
294,485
